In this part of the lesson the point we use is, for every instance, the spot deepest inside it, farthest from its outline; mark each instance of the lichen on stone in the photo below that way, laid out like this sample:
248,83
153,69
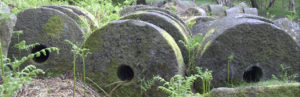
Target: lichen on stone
54,27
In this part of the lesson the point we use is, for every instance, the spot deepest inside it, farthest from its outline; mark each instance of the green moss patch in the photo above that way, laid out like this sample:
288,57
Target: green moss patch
54,27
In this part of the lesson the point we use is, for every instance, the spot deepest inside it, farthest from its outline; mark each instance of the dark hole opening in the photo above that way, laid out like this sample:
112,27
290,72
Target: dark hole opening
125,73
42,57
253,74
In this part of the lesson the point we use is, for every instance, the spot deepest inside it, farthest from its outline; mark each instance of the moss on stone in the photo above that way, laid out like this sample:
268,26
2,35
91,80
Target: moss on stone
54,27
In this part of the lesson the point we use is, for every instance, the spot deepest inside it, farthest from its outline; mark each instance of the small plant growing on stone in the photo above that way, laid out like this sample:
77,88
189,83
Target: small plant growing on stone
284,76
180,86
230,58
14,80
292,16
193,45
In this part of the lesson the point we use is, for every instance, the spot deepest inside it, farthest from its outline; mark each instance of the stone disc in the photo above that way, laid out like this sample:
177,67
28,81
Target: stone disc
132,9
132,51
258,47
49,28
82,12
169,25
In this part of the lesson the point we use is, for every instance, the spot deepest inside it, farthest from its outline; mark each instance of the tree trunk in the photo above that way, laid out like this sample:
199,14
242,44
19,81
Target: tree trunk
254,4
141,2
271,4
292,6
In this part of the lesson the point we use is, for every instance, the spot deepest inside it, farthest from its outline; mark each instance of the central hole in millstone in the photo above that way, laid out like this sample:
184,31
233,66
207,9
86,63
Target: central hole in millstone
125,73
42,57
253,74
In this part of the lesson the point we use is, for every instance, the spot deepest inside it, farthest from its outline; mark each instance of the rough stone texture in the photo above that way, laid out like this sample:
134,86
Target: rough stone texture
233,10
82,12
252,11
201,24
292,28
242,5
254,43
216,10
50,28
158,3
7,22
144,48
132,9
286,90
194,11
79,19
164,22
183,5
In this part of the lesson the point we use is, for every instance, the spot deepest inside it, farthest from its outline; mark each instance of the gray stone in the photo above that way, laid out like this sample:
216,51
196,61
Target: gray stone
216,10
242,5
233,10
184,5
200,26
7,22
280,90
49,28
252,11
258,47
131,51
84,13
164,22
290,27
194,11
132,9
158,3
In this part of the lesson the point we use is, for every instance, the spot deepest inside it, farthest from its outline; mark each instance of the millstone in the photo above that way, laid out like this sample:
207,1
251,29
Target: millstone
194,11
216,10
84,13
49,28
133,9
164,22
6,26
132,50
252,11
233,10
258,47
293,29
201,24
79,19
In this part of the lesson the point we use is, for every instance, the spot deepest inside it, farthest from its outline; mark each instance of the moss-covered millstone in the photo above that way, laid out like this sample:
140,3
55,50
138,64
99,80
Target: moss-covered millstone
7,22
285,90
83,22
233,10
197,23
49,28
193,11
132,50
132,9
258,47
164,22
217,10
84,14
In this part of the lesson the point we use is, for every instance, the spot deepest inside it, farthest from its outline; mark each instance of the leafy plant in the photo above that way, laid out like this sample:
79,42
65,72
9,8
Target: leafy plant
230,58
292,15
284,76
83,53
193,45
180,86
14,80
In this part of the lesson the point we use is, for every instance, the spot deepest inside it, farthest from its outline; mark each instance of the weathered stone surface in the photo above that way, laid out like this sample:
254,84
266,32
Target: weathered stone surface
84,13
201,24
233,10
242,5
292,28
49,28
82,21
285,90
184,5
158,3
7,22
252,11
216,10
258,47
132,9
164,22
194,11
132,50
